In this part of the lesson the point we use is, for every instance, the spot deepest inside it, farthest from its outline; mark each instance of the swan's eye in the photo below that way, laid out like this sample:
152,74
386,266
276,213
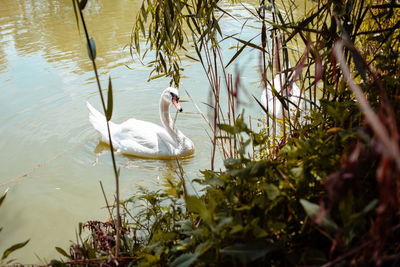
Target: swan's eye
174,96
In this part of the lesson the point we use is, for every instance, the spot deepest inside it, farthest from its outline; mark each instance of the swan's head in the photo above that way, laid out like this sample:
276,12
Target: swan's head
171,95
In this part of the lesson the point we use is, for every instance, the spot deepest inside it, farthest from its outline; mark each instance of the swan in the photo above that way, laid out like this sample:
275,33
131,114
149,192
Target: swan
291,92
146,139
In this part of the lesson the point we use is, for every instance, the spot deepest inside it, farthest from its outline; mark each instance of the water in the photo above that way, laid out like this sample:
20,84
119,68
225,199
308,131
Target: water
50,158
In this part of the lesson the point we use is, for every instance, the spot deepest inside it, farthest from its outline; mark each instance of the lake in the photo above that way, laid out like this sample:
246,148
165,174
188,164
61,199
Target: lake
51,160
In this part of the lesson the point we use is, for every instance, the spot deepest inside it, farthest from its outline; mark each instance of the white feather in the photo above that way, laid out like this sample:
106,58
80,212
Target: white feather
142,138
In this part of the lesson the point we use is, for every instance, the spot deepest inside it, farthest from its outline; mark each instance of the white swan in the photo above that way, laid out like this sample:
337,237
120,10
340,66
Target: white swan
292,92
146,139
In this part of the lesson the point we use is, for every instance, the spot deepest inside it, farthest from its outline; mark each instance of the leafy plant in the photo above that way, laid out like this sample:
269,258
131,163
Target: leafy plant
4,258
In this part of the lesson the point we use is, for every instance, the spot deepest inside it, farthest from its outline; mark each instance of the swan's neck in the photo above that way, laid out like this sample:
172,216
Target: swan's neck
167,121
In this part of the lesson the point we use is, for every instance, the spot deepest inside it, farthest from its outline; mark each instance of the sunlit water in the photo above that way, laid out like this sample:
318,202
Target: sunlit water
50,159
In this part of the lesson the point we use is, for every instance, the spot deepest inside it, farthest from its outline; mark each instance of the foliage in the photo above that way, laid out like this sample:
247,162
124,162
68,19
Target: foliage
8,251
258,211
324,193
162,23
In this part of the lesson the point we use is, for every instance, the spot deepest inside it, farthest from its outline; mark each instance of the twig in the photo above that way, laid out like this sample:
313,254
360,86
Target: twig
105,199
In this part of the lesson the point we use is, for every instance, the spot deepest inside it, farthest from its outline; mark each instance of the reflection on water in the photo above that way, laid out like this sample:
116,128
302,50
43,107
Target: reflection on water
49,28
166,167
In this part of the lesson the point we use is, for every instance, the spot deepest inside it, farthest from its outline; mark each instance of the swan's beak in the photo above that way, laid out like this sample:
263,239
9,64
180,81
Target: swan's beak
176,103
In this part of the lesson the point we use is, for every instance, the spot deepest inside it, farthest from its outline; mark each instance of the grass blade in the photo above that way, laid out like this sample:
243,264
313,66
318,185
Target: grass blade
11,249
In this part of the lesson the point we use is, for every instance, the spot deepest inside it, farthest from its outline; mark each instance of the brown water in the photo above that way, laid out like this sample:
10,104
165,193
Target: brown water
49,159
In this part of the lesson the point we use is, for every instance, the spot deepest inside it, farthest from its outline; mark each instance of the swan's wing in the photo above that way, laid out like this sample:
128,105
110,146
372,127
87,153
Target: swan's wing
100,124
264,96
142,138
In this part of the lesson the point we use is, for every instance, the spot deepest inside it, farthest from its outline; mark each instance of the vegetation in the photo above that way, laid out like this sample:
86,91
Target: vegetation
324,192
4,257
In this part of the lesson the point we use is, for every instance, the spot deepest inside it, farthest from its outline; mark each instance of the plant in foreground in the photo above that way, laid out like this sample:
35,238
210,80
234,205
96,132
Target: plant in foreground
4,258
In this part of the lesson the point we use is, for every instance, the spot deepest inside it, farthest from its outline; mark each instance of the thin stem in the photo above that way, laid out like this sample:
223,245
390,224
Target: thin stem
118,227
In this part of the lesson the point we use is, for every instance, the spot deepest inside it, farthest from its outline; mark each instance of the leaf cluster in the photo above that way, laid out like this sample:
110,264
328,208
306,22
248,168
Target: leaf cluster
168,27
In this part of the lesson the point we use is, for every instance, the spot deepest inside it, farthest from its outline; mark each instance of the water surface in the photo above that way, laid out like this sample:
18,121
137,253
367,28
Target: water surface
50,159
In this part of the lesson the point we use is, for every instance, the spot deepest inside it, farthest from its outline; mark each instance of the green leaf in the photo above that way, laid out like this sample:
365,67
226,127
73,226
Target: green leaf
156,76
313,209
272,191
247,252
371,205
184,260
142,28
305,22
214,182
236,228
249,43
203,247
56,263
258,168
11,249
225,221
62,252
196,205
3,197
80,227
359,65
228,128
310,208
91,47
109,109
283,100
236,55
163,64
192,58
259,232
260,104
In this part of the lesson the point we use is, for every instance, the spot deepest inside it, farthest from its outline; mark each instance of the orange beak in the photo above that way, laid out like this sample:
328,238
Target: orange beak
176,103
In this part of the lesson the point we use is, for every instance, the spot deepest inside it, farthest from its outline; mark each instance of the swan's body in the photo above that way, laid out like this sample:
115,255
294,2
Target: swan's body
274,106
146,139
293,94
